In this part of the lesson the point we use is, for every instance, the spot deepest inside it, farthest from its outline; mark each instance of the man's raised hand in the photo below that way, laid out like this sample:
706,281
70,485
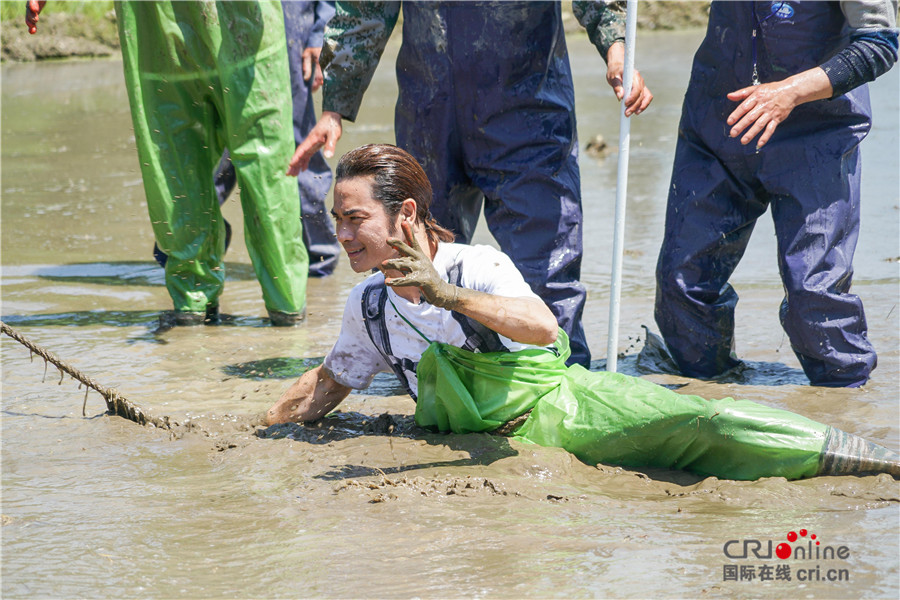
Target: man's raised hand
418,270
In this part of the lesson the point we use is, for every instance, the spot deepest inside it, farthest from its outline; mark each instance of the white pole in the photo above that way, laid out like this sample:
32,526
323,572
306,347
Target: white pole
615,291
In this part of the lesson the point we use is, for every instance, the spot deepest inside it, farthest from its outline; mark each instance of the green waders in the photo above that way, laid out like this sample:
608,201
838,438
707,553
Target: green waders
202,76
611,418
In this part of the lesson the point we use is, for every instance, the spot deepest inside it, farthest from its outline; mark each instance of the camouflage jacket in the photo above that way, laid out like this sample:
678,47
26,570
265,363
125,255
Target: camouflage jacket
356,37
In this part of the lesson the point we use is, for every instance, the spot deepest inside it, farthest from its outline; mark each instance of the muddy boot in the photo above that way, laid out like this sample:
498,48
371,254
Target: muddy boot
848,454
283,319
188,319
212,314
655,357
173,318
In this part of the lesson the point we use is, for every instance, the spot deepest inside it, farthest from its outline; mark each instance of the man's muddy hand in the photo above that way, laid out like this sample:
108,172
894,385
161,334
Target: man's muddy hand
32,9
325,134
418,271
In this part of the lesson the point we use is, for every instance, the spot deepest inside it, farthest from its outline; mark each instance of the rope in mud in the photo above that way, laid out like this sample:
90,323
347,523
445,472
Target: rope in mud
116,404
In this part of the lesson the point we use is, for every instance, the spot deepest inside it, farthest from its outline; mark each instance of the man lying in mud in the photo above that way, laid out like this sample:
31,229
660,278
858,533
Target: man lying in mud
479,351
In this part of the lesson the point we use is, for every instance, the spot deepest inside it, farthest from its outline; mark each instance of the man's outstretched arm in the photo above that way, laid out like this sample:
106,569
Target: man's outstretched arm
311,397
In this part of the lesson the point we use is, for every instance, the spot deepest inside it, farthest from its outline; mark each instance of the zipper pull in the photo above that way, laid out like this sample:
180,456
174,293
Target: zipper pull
755,77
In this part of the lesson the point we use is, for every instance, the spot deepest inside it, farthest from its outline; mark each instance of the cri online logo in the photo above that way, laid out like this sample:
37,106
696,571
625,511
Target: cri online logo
811,550
784,550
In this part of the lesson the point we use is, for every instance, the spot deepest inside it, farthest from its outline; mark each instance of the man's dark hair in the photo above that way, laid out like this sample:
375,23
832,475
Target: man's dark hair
396,177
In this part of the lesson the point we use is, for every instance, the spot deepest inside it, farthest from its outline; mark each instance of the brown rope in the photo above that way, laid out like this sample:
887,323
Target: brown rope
508,428
116,404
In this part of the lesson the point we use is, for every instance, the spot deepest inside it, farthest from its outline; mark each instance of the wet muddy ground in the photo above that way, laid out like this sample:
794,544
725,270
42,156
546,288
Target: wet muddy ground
365,504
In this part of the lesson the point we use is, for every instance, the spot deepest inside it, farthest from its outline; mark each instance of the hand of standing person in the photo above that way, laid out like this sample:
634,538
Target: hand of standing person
763,107
325,134
32,9
640,97
312,71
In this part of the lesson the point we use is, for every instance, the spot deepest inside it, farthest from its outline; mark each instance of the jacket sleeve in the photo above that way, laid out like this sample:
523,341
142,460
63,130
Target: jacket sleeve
604,21
323,13
873,45
355,38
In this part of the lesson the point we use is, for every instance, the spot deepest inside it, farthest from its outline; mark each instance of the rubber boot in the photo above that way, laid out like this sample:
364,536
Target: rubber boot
283,319
848,454
212,314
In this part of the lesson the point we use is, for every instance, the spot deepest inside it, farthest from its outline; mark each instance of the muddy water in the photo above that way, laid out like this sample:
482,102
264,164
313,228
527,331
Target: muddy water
367,505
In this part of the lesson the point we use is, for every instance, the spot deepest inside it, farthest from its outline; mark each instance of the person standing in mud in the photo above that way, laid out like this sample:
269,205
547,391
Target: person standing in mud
479,351
791,77
304,26
203,76
486,104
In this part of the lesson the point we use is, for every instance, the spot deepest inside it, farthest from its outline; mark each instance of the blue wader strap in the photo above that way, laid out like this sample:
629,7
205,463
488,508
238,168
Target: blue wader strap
478,337
373,300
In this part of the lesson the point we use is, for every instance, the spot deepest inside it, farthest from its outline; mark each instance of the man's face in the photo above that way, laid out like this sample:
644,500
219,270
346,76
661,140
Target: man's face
362,225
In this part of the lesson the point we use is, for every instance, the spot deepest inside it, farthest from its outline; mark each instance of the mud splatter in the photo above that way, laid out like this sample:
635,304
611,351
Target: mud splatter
386,488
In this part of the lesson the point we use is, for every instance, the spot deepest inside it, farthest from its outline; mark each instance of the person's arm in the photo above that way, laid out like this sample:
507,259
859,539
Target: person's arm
33,8
873,45
310,398
872,51
524,320
355,38
605,25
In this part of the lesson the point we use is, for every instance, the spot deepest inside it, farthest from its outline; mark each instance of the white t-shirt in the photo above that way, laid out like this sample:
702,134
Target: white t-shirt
354,360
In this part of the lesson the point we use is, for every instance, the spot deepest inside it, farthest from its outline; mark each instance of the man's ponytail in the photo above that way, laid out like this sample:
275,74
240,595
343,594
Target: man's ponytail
437,232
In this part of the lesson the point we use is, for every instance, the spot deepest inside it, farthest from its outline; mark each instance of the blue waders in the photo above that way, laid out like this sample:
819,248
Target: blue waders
808,173
304,21
494,124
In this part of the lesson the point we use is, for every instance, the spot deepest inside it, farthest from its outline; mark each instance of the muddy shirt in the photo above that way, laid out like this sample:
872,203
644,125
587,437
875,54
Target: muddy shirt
354,360
358,33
